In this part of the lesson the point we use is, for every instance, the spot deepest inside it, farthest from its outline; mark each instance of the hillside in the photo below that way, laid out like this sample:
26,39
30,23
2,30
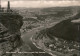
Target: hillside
48,12
66,29
61,39
10,37
44,16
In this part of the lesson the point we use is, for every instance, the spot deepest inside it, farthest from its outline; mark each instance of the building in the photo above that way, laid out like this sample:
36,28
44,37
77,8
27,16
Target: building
7,10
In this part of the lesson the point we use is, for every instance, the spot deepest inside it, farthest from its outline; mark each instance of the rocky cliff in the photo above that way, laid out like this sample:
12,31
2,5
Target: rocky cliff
10,33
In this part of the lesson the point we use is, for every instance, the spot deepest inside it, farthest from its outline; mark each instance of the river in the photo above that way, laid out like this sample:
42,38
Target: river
26,38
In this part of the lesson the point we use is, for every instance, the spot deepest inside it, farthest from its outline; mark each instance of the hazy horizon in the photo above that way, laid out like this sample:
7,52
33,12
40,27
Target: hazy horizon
40,3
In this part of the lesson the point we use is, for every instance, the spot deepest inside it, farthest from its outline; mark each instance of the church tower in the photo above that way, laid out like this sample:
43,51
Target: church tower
8,7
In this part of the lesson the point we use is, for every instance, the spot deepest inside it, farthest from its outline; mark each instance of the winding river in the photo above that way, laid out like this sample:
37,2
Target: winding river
27,39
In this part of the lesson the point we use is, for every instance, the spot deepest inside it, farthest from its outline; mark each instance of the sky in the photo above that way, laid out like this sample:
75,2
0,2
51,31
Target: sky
40,3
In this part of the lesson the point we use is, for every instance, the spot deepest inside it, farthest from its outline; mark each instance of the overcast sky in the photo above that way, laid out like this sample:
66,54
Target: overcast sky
40,3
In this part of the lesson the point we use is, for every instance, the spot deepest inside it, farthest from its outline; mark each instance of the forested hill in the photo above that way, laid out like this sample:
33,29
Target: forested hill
66,29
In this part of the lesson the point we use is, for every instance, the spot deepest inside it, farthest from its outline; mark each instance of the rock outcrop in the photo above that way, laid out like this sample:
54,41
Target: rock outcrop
10,33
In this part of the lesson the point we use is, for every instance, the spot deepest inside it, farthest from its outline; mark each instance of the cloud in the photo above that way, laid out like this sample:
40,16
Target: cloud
40,3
